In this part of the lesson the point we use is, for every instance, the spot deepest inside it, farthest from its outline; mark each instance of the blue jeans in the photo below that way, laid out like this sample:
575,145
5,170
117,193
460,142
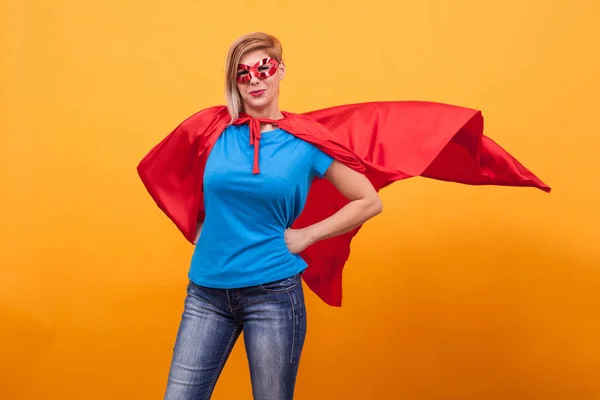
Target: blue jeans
273,319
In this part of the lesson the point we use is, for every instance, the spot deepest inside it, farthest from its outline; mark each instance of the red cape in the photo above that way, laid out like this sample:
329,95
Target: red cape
386,141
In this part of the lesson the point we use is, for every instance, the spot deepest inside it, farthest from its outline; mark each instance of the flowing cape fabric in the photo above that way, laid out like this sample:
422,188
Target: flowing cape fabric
386,141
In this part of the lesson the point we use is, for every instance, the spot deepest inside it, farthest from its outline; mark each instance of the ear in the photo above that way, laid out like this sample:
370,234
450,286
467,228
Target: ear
281,70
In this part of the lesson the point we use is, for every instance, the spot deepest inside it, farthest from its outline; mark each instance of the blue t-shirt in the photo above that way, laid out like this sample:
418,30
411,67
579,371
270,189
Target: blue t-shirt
242,240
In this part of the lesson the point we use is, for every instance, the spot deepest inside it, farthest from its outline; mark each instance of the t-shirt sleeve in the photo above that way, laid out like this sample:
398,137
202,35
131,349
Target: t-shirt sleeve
321,162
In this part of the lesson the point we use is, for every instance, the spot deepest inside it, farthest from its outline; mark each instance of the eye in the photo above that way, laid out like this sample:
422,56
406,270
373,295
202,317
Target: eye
242,72
265,67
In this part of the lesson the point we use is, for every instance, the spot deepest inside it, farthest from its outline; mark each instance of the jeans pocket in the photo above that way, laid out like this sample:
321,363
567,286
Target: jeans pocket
281,285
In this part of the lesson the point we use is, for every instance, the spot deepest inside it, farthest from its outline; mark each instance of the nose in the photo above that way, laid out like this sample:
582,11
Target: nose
254,80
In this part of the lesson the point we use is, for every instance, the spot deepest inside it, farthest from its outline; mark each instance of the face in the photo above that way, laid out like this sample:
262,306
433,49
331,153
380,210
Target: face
258,78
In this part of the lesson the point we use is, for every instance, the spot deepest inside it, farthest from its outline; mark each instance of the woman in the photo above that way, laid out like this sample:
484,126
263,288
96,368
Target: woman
245,271
258,190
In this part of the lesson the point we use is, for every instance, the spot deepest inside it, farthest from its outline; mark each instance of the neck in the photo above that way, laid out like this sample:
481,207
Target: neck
269,112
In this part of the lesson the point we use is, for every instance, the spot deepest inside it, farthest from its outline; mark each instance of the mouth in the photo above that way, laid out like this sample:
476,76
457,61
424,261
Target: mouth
257,93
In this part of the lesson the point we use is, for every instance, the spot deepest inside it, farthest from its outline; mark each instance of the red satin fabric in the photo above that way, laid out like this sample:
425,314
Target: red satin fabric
255,135
387,141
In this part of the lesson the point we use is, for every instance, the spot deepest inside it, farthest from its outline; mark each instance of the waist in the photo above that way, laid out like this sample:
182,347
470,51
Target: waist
236,262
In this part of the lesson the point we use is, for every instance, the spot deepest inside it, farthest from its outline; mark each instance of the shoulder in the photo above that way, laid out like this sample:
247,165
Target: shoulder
208,115
308,146
308,130
202,124
318,128
302,121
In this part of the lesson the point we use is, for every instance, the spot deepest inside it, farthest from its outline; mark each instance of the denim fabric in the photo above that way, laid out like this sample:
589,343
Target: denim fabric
272,318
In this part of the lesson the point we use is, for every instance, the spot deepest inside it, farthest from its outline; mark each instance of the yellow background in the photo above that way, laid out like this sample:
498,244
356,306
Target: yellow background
454,293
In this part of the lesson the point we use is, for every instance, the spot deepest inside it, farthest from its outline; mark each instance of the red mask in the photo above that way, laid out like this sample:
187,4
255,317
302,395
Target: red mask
263,69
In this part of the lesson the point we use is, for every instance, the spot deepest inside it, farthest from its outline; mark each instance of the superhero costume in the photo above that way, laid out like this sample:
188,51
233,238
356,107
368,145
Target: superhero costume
386,141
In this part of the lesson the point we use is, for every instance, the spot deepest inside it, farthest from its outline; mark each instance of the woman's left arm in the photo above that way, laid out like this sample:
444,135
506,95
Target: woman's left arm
364,204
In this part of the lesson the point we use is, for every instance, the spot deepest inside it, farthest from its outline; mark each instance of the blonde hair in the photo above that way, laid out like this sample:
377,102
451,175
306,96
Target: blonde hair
243,45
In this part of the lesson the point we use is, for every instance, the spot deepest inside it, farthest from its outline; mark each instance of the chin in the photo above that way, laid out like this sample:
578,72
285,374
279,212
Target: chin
259,103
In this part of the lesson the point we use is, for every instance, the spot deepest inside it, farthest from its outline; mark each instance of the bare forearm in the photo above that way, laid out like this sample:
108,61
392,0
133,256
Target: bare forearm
352,215
198,231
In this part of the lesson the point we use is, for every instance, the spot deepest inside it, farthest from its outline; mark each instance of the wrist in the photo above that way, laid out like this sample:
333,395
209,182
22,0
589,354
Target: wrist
310,235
